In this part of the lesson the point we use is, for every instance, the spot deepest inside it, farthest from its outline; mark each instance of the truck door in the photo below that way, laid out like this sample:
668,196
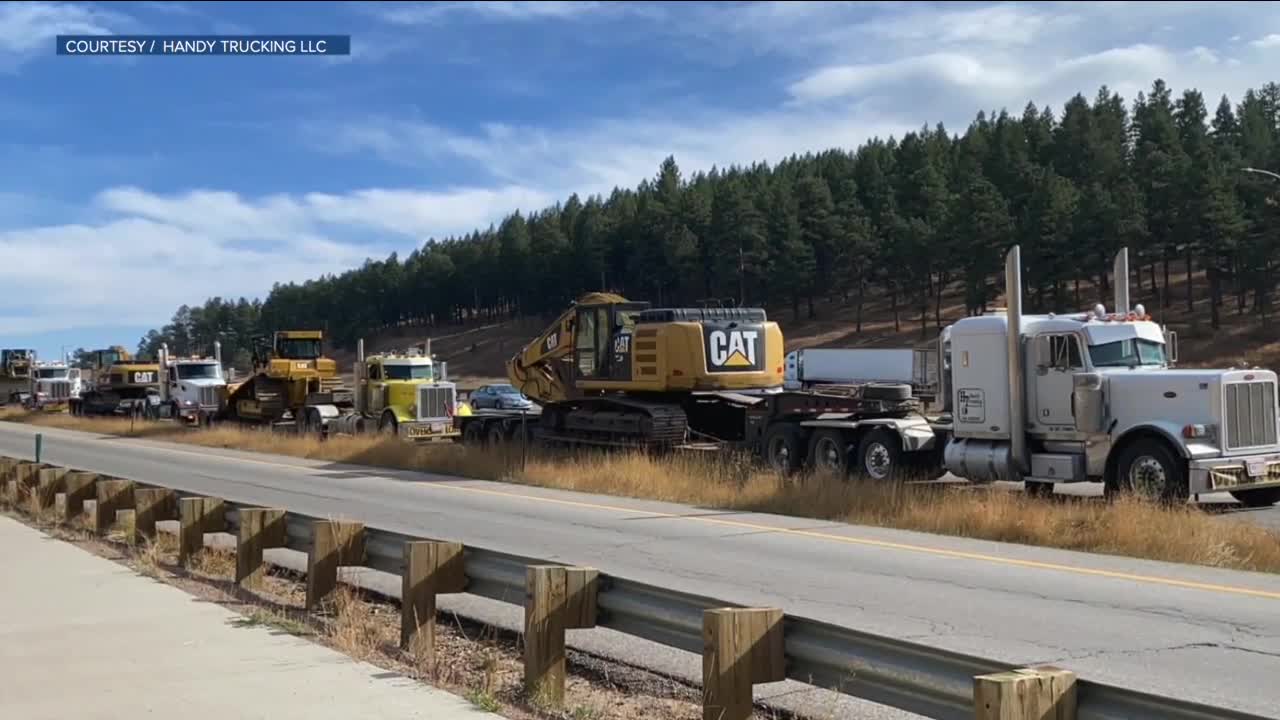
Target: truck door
1053,381
374,387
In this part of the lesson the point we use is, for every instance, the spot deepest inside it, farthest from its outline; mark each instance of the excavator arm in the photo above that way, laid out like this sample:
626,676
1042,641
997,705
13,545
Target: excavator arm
543,369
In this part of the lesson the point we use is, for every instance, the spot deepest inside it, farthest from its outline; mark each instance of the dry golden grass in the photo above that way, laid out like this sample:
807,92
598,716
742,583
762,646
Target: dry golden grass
1125,527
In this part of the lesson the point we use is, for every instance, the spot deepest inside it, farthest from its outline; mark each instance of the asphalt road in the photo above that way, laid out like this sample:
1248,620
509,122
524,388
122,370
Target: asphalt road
1188,632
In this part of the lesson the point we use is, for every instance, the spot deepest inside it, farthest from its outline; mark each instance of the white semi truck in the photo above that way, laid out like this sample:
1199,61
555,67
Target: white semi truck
53,384
191,388
1089,396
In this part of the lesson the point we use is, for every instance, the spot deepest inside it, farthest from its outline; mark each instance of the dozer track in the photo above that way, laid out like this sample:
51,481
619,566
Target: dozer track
615,422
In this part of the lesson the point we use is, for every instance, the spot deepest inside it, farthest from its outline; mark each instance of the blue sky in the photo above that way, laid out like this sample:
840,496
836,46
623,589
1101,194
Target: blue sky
133,185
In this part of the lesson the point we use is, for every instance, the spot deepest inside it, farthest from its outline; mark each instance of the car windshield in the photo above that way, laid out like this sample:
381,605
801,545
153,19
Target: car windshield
407,372
298,349
52,373
198,372
1127,353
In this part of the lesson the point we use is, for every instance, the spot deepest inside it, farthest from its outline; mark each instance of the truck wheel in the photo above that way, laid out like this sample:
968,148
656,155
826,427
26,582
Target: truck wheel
784,448
879,455
1149,469
473,434
1262,497
829,450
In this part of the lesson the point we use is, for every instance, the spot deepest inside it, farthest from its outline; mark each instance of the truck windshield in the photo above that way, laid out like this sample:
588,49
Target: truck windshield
407,372
298,349
1127,353
197,372
52,373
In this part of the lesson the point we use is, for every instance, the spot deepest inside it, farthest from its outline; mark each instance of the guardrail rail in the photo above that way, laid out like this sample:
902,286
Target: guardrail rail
740,646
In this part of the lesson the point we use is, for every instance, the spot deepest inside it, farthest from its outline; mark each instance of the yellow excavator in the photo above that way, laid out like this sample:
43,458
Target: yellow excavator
292,380
611,371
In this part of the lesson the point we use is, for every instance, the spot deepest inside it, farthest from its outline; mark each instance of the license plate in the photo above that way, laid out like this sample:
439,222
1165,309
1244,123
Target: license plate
1257,468
421,431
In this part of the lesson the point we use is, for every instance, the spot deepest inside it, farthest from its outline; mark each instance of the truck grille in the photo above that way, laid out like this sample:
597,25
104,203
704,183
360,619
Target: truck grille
435,401
58,390
208,396
1249,410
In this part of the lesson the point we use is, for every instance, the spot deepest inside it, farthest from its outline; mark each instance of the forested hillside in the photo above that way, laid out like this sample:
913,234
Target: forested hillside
897,219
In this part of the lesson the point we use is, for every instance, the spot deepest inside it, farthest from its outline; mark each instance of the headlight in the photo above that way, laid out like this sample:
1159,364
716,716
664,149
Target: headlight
1198,431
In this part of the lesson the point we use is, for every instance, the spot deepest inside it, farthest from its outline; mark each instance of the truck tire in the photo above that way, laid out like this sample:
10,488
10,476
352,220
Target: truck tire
887,391
830,450
1262,497
1148,468
879,456
387,424
784,448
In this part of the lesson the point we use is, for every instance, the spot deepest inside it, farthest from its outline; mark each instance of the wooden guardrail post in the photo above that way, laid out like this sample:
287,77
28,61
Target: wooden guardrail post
334,543
198,515
152,505
741,647
1038,693
430,568
557,598
80,486
260,528
26,477
49,482
113,494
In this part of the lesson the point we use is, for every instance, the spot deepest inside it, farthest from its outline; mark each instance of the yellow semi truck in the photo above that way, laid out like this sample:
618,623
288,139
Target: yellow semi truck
404,393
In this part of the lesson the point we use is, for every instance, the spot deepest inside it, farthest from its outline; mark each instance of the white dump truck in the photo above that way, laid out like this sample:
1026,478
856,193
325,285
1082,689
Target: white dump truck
192,389
1087,396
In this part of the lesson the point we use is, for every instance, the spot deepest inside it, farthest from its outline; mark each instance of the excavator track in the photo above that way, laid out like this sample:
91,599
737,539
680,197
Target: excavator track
614,422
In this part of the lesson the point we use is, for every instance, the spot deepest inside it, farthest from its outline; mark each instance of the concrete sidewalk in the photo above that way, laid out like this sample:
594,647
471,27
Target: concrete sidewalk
84,637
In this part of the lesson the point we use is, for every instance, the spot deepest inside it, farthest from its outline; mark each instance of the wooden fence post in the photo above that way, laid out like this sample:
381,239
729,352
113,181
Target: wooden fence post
557,598
80,486
199,515
430,568
26,478
334,543
741,647
260,528
1038,693
49,483
113,495
152,505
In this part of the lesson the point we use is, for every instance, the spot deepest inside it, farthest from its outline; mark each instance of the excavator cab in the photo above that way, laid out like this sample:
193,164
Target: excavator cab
602,340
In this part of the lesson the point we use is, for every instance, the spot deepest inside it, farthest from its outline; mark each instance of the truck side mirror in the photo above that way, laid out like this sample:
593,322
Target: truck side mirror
1043,353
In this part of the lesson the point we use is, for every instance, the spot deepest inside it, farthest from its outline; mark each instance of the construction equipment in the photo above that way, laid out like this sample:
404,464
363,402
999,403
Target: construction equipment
15,374
404,393
292,381
192,389
118,385
52,386
613,372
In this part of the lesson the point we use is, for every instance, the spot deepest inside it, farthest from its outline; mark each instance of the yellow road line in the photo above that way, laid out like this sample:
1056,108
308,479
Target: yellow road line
844,539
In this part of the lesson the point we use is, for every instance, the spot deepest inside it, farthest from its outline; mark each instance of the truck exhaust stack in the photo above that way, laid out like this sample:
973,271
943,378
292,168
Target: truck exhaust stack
1013,336
1121,271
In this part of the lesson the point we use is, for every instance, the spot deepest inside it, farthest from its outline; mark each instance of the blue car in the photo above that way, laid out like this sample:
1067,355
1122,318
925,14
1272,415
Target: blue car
499,397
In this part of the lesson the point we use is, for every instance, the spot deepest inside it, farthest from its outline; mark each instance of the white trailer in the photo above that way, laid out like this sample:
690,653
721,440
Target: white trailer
1089,396
811,368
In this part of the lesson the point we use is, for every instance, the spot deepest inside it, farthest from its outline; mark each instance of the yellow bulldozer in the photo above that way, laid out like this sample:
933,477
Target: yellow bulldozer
292,381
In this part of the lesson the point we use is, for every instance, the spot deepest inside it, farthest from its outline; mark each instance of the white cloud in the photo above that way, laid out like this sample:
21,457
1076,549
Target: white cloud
153,252
28,28
1269,41
418,13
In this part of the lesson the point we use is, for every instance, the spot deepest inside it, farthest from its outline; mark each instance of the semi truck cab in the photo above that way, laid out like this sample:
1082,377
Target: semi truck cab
1093,396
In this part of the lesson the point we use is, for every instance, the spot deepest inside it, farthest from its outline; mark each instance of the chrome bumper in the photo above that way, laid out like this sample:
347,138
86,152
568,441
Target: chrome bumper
1242,472
428,430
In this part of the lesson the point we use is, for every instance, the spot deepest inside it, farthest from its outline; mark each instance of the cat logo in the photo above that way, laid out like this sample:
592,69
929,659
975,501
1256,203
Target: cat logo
733,349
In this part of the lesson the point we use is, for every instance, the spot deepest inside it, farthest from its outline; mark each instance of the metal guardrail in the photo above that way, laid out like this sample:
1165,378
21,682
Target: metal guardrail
908,676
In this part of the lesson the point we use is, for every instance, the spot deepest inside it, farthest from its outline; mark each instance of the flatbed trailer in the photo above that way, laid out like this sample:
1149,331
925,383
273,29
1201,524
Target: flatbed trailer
877,430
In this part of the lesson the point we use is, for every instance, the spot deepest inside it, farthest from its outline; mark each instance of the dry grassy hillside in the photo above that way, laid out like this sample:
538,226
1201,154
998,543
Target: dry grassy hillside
476,354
